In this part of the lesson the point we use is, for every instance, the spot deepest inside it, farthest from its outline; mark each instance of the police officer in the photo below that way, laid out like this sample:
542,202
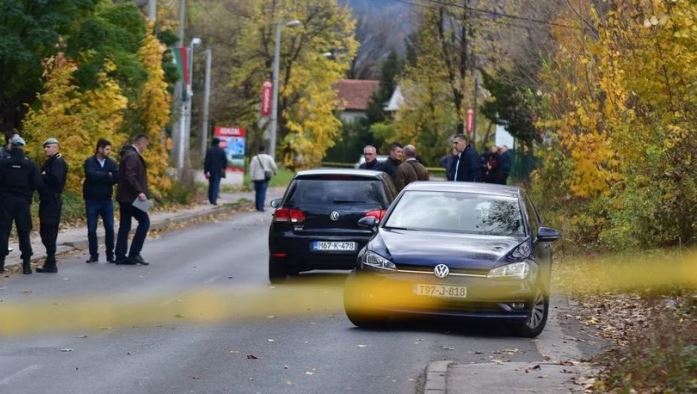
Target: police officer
19,177
53,174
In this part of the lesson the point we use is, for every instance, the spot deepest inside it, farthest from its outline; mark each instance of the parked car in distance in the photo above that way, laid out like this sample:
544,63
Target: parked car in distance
455,249
361,160
315,224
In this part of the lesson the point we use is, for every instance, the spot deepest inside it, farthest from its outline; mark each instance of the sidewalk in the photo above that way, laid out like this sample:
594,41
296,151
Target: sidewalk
75,238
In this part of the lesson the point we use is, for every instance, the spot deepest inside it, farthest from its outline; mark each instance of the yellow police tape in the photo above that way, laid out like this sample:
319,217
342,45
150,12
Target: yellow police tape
303,296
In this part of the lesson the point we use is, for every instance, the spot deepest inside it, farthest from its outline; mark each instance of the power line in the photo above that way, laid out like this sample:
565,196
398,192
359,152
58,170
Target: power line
433,3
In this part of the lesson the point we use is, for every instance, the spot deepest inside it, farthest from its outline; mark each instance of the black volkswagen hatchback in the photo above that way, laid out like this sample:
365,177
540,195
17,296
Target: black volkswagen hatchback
315,225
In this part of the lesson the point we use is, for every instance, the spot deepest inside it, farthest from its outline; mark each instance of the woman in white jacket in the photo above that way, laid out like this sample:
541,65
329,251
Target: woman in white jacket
261,168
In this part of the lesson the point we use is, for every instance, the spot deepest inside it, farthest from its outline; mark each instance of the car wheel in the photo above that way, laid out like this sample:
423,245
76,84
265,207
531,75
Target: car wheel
535,323
277,272
355,306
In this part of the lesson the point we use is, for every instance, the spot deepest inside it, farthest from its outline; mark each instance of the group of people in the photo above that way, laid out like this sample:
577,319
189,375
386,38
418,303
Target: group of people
465,165
20,178
403,165
462,165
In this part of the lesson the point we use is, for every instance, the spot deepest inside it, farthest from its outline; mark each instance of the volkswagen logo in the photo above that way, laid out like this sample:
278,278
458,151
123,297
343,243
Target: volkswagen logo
334,216
441,271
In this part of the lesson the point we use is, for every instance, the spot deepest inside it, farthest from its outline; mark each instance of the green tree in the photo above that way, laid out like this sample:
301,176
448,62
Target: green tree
388,82
30,32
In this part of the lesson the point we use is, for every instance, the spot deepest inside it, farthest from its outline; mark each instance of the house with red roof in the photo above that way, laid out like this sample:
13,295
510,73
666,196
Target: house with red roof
354,96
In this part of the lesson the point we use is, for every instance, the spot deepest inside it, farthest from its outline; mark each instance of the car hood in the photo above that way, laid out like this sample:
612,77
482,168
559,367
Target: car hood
413,249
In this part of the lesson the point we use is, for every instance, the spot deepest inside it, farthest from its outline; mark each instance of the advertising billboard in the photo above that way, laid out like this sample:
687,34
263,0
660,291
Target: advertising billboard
232,140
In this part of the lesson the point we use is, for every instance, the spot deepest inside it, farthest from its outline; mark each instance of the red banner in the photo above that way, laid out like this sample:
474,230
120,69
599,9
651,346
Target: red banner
470,121
266,91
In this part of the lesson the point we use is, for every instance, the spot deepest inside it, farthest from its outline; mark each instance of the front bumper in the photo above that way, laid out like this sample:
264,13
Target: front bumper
392,292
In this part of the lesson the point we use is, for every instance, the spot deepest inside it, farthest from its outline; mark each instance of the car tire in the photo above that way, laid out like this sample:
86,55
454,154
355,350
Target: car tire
355,307
277,272
535,323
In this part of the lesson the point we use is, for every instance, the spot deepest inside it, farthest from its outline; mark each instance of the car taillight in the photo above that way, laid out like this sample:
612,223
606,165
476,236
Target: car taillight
289,215
377,214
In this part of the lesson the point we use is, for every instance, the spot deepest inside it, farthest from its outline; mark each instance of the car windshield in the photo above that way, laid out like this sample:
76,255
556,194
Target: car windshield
339,191
468,213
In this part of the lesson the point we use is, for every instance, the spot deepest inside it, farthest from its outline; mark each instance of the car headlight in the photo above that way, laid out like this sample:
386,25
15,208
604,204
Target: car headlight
377,261
514,271
522,251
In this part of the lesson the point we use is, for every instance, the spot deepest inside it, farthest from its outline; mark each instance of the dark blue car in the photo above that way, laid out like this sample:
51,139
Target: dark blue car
315,224
455,249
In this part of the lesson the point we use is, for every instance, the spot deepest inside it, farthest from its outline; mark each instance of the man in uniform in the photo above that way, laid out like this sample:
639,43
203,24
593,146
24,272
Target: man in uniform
19,177
53,174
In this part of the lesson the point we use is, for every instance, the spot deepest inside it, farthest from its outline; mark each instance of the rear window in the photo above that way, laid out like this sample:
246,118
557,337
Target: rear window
338,191
468,213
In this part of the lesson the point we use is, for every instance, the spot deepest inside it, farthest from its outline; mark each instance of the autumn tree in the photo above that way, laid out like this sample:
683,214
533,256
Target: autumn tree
307,125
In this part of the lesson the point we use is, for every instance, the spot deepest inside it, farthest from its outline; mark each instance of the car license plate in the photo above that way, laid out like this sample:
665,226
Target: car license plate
333,246
440,291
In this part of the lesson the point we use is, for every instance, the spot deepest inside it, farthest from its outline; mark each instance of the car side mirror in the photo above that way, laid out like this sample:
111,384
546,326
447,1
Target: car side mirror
368,222
547,234
275,203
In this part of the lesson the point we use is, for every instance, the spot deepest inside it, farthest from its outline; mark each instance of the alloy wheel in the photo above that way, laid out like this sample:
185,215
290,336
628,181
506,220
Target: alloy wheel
538,311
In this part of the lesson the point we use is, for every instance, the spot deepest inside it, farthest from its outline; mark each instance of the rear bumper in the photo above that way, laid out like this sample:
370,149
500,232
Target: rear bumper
392,293
294,251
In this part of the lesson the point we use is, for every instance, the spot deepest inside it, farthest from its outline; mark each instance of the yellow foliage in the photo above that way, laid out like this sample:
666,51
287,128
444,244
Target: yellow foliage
152,108
75,118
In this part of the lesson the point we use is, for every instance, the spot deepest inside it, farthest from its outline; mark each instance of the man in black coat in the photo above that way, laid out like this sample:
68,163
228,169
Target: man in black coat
101,174
371,159
214,166
19,178
392,163
505,165
53,176
466,167
132,185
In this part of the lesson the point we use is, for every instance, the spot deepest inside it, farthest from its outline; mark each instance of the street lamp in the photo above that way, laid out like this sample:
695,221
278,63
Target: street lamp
274,101
185,123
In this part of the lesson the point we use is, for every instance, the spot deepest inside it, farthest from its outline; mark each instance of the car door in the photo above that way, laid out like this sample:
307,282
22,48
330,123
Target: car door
542,250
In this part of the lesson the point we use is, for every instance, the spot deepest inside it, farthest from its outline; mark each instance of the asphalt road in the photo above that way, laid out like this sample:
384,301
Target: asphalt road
316,351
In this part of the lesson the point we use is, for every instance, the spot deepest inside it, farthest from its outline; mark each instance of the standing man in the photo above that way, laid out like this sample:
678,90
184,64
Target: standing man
214,166
411,170
392,163
132,185
371,159
101,174
505,165
466,167
53,174
19,178
261,168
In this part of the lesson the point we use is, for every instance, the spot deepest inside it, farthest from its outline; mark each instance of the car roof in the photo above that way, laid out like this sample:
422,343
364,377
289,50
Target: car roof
340,171
466,187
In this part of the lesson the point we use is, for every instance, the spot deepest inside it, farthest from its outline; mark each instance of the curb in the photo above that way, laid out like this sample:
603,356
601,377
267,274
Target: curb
154,226
69,246
437,377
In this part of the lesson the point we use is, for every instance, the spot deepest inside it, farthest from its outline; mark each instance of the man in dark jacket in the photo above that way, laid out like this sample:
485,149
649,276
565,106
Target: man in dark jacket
132,185
53,176
447,162
371,159
19,178
392,163
101,174
411,170
505,165
466,167
214,166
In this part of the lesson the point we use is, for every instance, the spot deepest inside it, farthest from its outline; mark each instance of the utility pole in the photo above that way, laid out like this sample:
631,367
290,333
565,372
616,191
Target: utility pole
180,100
206,102
274,100
152,10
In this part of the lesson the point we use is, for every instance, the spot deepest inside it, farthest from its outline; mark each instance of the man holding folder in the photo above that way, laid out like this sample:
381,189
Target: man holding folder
131,193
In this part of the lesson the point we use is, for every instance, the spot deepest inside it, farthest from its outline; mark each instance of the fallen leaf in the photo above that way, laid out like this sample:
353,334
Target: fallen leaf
362,346
270,340
447,348
252,357
179,316
66,350
309,373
